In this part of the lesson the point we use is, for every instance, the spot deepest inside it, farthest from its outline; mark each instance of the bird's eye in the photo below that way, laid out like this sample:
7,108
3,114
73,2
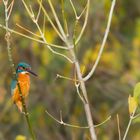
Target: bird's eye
23,68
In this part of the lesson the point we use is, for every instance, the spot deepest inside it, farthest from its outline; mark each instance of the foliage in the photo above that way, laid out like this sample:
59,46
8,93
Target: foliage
108,89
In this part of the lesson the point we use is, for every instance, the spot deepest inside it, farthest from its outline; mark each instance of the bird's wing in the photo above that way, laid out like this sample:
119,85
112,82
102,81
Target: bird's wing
13,86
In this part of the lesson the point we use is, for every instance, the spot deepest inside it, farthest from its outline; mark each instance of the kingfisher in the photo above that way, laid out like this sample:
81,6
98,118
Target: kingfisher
23,72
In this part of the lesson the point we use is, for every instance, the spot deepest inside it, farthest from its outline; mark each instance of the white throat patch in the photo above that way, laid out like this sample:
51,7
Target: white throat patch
24,72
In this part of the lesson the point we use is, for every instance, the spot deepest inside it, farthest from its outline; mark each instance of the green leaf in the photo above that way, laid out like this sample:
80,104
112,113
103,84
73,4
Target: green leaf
137,92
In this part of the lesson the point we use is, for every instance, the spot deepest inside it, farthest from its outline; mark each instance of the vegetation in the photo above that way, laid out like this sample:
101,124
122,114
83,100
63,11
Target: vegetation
87,69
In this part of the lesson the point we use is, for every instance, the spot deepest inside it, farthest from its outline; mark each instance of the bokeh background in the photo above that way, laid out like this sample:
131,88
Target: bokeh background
108,89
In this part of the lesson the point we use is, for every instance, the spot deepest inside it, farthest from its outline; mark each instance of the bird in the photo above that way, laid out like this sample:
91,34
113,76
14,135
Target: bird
23,71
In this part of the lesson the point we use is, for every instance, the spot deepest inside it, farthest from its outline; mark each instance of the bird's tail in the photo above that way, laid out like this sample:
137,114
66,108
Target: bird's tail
19,105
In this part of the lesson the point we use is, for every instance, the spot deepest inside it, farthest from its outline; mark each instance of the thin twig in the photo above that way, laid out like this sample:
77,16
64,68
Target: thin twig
100,124
51,22
74,10
39,11
42,35
27,30
118,126
136,116
129,124
82,12
67,78
75,13
64,19
34,39
85,23
57,20
44,24
53,51
7,37
10,9
74,126
103,43
78,92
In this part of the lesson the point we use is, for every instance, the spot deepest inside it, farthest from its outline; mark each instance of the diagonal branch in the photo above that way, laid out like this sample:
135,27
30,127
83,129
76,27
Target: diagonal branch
9,9
129,124
57,20
34,39
85,23
64,18
103,43
39,11
49,19
27,30
30,12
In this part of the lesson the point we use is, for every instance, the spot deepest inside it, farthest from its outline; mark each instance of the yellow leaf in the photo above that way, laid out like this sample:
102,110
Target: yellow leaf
20,137
132,103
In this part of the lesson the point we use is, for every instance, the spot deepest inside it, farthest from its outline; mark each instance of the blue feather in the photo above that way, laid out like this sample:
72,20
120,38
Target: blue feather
13,86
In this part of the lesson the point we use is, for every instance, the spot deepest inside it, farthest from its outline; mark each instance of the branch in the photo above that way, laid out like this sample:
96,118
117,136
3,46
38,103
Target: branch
30,12
10,7
129,124
85,23
51,22
74,126
64,18
39,11
7,37
57,20
27,30
74,10
67,78
118,125
136,116
103,43
34,39
78,92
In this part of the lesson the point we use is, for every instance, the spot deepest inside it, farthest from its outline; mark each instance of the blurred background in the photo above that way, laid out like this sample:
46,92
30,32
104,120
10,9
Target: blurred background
108,89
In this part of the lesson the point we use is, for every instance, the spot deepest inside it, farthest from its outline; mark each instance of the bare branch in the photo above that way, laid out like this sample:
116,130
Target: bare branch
27,9
57,20
85,23
34,39
77,89
44,24
54,27
136,116
42,34
129,124
39,10
118,125
74,126
103,43
74,10
63,123
10,7
67,78
27,30
82,12
64,18
53,51
76,15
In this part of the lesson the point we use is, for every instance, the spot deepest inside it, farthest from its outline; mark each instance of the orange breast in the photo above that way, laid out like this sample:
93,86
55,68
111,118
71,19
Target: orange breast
24,81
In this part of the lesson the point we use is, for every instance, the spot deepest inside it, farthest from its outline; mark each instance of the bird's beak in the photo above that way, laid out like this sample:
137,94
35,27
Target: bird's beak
32,73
